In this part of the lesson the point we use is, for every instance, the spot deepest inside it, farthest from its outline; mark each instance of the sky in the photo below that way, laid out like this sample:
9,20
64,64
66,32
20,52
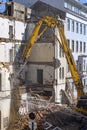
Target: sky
84,1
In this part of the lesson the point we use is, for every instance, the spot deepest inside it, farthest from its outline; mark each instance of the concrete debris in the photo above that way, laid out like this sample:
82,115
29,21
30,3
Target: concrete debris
54,117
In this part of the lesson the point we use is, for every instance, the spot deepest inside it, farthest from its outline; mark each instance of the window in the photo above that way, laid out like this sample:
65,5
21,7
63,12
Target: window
62,72
84,82
76,9
65,4
80,46
77,27
76,46
10,31
84,30
11,55
9,10
72,26
84,64
80,28
84,47
68,24
68,70
80,68
69,6
60,50
40,76
68,41
0,82
72,45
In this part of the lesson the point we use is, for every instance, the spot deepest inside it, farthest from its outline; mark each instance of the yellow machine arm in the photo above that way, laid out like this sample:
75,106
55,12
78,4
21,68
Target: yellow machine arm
71,63
52,23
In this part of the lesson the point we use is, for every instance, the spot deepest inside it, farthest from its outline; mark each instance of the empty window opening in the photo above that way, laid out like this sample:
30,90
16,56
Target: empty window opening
9,10
47,93
10,31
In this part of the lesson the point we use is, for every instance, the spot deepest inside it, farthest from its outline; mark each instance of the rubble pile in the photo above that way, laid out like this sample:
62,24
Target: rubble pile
53,117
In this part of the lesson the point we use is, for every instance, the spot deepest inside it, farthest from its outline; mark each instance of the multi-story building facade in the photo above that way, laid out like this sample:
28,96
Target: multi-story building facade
75,30
75,27
47,66
76,33
12,35
44,68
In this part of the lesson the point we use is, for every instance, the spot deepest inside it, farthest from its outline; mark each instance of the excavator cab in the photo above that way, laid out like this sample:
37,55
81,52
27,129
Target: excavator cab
81,105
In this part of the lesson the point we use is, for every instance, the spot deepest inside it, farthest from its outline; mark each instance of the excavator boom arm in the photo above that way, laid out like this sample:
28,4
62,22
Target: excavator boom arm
71,63
52,23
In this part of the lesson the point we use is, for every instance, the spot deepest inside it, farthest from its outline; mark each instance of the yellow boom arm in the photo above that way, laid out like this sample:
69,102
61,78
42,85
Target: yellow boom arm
52,23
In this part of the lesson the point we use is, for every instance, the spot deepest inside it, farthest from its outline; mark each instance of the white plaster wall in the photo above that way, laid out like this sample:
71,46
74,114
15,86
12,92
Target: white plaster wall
4,51
58,92
18,28
5,83
4,27
60,83
5,111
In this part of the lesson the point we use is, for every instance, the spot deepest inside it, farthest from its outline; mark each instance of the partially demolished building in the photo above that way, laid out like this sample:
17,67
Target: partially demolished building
46,71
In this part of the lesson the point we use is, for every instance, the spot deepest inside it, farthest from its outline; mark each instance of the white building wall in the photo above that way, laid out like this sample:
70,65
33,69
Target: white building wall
4,51
70,35
59,70
5,83
18,28
75,36
5,111
4,27
7,54
6,47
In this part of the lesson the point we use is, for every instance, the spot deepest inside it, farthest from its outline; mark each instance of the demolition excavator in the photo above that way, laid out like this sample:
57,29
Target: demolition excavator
53,23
